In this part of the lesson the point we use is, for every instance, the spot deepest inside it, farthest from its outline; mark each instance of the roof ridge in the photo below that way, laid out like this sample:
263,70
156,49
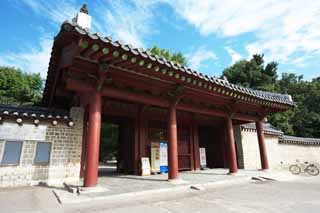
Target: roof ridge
297,137
31,108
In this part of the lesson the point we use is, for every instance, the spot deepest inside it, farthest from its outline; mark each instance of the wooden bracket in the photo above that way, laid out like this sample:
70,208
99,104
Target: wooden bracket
232,109
176,94
104,67
100,84
263,113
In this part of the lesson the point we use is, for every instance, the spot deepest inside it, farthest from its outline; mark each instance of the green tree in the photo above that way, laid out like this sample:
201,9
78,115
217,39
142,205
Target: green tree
175,57
19,88
303,120
109,142
253,73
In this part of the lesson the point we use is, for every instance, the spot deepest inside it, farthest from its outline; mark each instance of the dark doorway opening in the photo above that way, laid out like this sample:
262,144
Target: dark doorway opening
116,154
212,138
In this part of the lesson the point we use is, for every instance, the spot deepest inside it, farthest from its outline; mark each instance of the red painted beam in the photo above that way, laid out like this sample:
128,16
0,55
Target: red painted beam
129,96
75,85
188,108
79,86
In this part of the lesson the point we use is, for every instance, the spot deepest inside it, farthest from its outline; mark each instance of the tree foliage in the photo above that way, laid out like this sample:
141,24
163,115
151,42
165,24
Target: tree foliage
19,88
167,54
253,73
109,142
303,120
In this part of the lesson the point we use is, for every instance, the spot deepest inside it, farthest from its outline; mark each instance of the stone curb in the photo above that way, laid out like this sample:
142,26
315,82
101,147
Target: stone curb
67,198
222,183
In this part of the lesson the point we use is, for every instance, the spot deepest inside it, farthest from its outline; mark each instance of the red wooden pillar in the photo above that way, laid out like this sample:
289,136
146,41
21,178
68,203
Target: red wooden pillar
92,161
173,143
136,145
195,136
224,147
143,131
191,144
233,168
140,131
84,144
262,146
83,150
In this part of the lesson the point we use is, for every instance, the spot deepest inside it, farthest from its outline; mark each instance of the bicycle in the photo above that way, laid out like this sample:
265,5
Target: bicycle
306,167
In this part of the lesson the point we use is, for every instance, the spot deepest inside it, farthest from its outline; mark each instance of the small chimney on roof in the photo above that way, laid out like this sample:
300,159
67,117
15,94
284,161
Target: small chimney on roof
82,18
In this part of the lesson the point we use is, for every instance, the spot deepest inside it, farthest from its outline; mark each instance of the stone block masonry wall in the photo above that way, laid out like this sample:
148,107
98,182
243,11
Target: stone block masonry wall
279,155
65,153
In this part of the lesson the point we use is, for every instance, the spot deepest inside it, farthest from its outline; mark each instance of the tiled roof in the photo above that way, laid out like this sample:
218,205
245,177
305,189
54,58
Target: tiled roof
299,140
267,128
286,139
174,70
34,114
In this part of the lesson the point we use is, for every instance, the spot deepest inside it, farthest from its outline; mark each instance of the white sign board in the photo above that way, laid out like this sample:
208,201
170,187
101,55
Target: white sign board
163,154
145,166
203,159
155,157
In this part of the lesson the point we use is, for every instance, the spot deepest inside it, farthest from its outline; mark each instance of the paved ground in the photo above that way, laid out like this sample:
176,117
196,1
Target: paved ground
299,195
119,184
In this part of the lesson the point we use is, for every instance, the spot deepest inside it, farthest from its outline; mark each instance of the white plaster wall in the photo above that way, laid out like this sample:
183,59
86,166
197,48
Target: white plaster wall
289,153
250,147
279,155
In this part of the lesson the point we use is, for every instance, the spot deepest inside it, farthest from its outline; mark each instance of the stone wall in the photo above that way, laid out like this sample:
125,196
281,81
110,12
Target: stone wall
289,153
279,155
250,147
66,142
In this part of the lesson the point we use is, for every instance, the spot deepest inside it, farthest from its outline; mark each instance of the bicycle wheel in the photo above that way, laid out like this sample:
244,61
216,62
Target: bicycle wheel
312,170
295,169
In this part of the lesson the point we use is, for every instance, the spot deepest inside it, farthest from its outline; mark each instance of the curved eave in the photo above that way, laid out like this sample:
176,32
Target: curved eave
161,67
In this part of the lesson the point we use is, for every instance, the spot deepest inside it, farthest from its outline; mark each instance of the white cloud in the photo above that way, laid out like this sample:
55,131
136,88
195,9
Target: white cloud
197,57
233,54
56,11
281,28
130,22
36,59
32,60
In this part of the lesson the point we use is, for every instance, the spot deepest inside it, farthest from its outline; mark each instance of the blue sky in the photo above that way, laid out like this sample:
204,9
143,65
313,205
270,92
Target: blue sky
211,34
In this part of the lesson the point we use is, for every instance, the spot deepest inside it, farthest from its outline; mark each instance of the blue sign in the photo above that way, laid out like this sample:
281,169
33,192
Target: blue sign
163,157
